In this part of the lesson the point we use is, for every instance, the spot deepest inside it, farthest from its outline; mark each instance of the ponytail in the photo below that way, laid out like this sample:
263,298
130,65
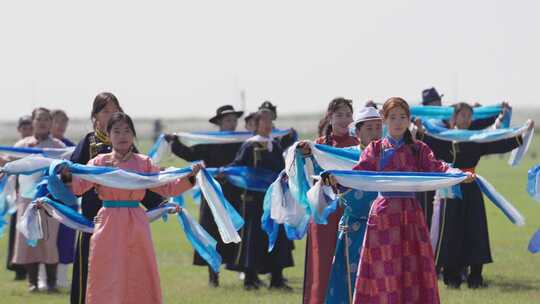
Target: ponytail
322,126
325,129
410,142
328,135
408,138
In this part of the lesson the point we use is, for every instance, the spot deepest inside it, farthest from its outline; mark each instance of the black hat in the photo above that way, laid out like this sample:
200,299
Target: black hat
224,110
24,120
430,95
268,106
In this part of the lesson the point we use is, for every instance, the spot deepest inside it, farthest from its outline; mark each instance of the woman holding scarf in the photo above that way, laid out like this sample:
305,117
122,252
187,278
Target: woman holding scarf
214,156
95,143
464,239
353,223
430,97
321,239
396,260
263,152
122,262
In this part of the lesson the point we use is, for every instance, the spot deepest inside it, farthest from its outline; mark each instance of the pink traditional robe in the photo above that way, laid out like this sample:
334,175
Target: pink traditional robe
122,264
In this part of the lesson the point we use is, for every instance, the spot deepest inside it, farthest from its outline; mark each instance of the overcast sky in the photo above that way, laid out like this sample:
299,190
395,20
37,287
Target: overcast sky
185,58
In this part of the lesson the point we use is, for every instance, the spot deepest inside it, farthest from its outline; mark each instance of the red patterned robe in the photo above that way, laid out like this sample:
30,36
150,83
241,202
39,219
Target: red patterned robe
321,241
396,260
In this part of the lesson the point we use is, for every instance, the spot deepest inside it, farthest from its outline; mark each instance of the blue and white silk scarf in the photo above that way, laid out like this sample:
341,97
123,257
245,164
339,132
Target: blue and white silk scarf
57,153
201,241
484,136
161,147
4,204
534,243
227,218
446,113
405,182
533,182
286,203
31,170
533,187
280,208
8,194
252,179
299,169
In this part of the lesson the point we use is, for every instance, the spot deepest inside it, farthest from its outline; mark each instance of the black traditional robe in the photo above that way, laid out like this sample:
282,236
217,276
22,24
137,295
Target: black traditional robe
426,198
253,250
464,239
214,156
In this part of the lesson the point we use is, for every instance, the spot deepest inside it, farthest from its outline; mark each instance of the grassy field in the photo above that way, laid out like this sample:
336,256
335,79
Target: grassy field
514,277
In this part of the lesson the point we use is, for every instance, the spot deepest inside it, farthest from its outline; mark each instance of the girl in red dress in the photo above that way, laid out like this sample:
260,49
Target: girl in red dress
396,260
321,239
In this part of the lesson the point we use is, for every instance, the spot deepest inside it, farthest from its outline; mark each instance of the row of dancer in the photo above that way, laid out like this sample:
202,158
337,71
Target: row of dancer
263,151
334,131
94,280
46,129
460,245
251,257
98,143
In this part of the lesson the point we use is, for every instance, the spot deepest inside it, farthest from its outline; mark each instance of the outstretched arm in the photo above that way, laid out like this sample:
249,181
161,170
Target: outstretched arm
177,186
179,149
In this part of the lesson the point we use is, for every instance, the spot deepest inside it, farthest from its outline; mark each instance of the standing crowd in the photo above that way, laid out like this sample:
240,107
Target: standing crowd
375,247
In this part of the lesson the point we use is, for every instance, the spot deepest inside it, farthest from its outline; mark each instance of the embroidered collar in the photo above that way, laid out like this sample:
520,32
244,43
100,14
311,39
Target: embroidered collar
388,152
102,137
122,158
395,143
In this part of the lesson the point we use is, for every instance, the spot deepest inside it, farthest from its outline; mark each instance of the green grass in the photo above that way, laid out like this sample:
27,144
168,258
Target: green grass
514,277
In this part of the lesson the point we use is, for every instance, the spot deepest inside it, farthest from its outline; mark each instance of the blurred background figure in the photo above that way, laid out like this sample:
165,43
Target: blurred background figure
25,129
158,128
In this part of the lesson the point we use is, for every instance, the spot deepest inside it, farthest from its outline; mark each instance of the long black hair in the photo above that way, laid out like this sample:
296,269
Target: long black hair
118,117
100,102
325,127
398,102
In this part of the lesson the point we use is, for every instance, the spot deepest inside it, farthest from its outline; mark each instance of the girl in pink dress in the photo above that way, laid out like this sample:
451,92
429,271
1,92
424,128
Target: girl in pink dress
122,262
396,260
